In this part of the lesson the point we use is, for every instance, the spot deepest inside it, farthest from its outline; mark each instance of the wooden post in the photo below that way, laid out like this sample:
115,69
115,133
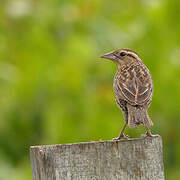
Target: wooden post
134,159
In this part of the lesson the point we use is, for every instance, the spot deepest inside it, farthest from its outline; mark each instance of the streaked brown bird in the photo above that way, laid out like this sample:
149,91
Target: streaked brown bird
133,89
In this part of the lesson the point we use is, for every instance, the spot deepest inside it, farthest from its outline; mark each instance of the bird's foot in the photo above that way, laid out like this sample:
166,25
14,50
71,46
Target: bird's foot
148,134
122,136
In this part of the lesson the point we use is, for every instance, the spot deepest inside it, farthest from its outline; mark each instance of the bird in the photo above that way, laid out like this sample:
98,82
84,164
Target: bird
133,87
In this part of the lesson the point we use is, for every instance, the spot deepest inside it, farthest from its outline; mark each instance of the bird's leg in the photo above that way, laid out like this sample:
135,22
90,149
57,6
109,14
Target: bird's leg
148,133
122,136
122,132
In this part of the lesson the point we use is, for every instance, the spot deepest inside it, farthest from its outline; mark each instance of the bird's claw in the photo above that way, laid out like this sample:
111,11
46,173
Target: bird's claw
122,136
148,134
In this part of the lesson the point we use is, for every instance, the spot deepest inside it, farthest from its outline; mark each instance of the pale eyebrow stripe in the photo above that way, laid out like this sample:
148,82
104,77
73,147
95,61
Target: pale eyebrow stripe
129,54
133,55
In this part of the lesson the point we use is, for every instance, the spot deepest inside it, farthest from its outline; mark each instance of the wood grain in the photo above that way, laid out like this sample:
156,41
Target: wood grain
136,159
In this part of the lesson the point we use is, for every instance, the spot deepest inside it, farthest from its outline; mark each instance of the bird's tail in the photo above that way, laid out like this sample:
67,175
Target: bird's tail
138,115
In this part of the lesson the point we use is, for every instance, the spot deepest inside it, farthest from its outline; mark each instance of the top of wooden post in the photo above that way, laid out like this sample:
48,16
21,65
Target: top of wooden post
121,141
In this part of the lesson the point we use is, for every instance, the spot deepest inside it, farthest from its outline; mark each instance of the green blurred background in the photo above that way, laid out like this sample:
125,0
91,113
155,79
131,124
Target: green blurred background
54,88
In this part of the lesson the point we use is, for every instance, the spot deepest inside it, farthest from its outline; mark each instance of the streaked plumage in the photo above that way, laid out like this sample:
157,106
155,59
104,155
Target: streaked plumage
133,88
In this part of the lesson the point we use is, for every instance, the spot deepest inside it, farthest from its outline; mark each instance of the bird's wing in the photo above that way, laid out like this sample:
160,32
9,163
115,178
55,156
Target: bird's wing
135,84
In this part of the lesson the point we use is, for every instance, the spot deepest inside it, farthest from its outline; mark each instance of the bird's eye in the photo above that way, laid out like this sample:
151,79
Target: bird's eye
122,54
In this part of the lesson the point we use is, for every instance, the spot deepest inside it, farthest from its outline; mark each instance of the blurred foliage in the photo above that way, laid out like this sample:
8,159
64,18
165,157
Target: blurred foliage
54,88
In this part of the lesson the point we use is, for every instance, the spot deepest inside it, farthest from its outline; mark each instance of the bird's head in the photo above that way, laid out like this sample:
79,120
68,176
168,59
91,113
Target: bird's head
122,56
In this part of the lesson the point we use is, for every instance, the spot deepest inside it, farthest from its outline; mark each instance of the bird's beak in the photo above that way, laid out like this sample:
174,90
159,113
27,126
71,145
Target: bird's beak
110,56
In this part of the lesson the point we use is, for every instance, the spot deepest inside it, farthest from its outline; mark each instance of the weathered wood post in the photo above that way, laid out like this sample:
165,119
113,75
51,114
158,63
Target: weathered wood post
134,159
